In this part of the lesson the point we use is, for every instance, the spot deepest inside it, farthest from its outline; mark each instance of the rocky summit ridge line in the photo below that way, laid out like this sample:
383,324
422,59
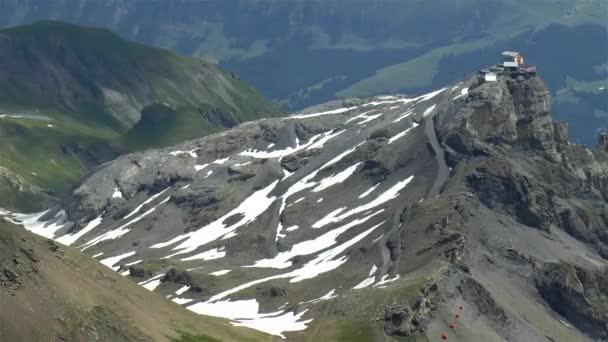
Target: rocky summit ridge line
366,220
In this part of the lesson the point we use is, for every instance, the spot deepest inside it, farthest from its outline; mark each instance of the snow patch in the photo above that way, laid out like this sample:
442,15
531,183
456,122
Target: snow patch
336,179
329,112
122,230
182,290
281,260
32,222
220,273
182,301
152,283
211,254
249,209
138,208
369,191
291,229
388,195
404,115
429,110
323,263
463,92
329,295
69,239
191,153
117,193
110,262
384,280
245,313
402,134
200,167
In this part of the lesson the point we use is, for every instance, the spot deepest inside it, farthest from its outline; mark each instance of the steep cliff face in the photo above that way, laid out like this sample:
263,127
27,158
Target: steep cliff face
368,218
528,166
509,111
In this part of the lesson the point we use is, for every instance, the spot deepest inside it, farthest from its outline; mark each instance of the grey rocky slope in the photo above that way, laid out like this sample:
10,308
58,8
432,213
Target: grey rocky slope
367,220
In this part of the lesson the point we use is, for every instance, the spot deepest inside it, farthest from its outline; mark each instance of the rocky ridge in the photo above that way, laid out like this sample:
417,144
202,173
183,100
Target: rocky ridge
385,211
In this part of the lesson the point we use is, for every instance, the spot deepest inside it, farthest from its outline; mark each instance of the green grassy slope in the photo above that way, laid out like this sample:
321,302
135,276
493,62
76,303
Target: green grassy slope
49,292
83,91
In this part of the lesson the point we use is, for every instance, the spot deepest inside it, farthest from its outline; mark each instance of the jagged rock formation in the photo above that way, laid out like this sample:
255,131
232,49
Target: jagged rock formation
386,212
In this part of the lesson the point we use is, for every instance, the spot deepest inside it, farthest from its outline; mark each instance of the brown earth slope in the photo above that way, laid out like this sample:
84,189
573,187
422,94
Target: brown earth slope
52,293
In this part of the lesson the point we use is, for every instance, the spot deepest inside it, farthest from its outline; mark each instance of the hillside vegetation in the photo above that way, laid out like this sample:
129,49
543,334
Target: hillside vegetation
73,97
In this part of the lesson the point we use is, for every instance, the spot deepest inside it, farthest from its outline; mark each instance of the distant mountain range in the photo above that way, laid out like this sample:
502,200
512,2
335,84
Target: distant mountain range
73,97
302,53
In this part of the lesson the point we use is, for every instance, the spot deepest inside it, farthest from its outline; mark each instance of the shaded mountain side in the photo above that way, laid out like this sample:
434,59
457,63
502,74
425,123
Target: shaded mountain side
378,219
49,292
85,96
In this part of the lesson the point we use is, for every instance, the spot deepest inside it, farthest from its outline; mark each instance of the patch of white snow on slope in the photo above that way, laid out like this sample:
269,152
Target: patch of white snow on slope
384,280
402,100
32,223
369,118
367,281
341,156
291,229
182,290
276,325
281,260
211,254
249,209
69,239
117,193
388,195
369,191
360,116
373,270
329,295
323,263
429,110
463,92
220,273
404,115
134,262
200,167
122,230
110,262
138,208
336,179
245,313
429,96
191,153
366,118
329,112
284,152
182,301
324,139
402,134
152,283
